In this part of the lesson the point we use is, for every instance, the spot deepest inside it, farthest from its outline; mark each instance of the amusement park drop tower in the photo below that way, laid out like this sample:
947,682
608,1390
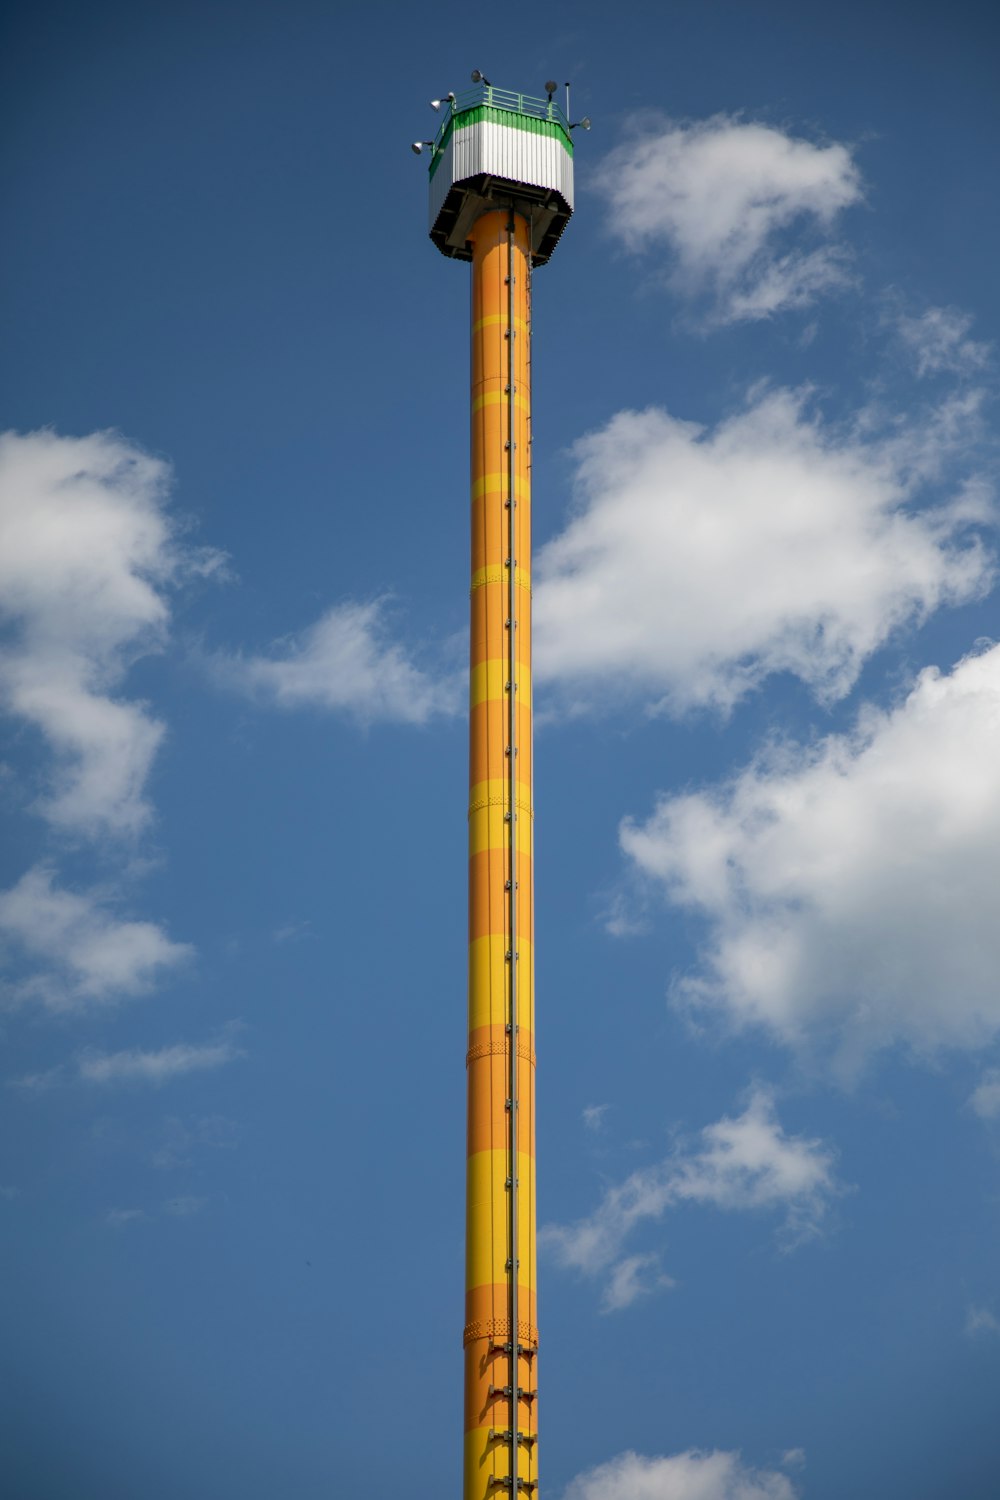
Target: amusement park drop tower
501,193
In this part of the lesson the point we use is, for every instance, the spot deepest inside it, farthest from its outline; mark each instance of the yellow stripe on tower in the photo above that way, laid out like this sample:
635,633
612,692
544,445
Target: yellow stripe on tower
501,882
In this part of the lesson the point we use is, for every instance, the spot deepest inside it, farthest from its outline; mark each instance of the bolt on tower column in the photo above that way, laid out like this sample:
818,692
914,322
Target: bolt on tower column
501,193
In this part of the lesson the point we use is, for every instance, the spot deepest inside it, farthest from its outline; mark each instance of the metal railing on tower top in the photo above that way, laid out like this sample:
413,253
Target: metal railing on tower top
484,94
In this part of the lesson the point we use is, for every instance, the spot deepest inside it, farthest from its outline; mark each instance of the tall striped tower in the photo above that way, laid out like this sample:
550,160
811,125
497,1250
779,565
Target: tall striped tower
501,187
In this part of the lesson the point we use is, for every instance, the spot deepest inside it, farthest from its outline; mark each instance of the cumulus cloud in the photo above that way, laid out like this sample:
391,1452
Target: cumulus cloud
85,953
739,1164
849,886
938,342
86,552
985,1097
156,1067
721,197
682,1476
700,561
348,663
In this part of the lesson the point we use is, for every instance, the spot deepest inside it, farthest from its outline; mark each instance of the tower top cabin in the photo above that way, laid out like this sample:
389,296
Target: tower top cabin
497,149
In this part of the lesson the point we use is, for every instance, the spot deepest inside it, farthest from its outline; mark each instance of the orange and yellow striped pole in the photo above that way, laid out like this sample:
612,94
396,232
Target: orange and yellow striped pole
501,1334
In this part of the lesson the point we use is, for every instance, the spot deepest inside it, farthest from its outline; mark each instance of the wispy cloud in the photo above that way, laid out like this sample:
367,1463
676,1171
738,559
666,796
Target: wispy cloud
632,1277
347,662
980,1321
849,885
721,197
738,1164
156,1067
119,1218
181,1140
623,915
938,342
40,1082
698,563
593,1116
184,1207
985,1097
292,932
86,555
682,1476
80,951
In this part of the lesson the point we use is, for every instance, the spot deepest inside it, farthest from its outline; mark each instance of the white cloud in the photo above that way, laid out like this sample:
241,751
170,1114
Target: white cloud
292,932
849,885
699,562
345,662
136,1066
985,1097
720,197
938,342
593,1116
631,1278
85,554
980,1320
682,1476
85,952
623,917
746,1163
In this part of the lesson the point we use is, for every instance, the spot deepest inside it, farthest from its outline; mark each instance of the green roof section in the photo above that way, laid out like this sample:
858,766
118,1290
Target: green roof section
492,106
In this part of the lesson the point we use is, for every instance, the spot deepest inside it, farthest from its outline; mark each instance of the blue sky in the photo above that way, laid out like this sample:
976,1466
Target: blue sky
232,904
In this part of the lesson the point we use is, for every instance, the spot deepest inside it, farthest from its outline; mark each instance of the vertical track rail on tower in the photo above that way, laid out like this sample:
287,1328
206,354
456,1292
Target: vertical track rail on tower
512,846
